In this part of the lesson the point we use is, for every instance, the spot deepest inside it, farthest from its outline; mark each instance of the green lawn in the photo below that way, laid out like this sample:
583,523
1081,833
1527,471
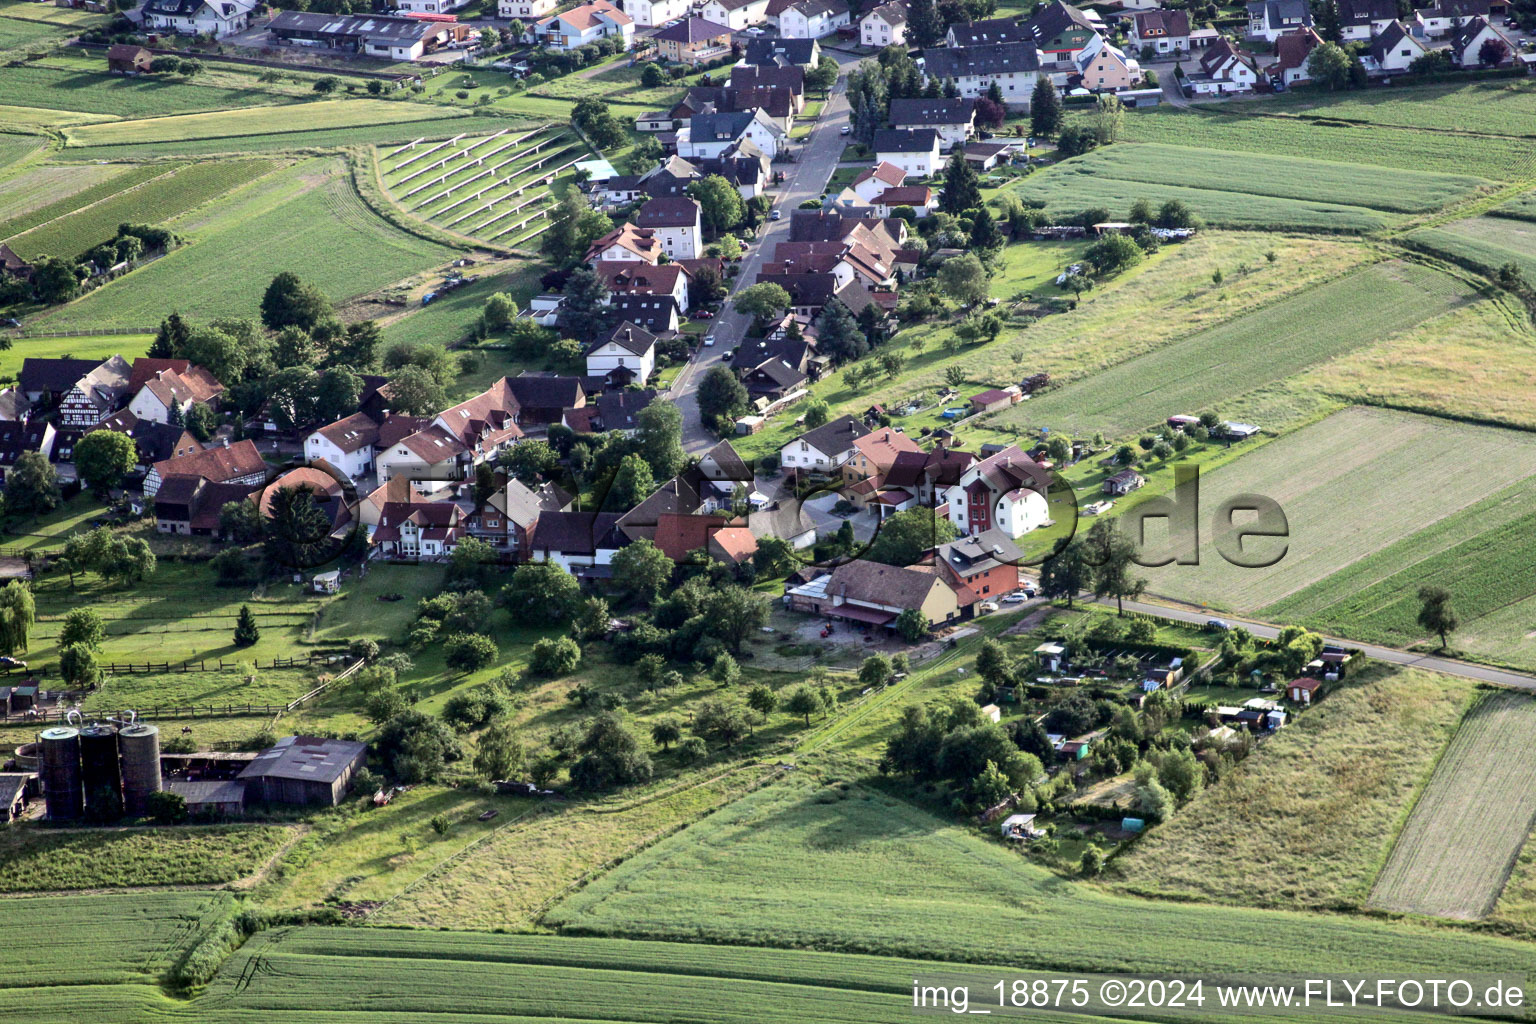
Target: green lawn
93,346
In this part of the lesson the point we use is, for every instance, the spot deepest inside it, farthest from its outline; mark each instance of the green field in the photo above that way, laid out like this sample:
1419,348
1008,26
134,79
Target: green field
1215,366
1271,190
97,92
1478,553
20,33
1485,242
42,193
1461,841
1523,208
40,860
1503,107
1500,159
836,866
1354,483
94,346
157,201
319,115
1320,835
310,221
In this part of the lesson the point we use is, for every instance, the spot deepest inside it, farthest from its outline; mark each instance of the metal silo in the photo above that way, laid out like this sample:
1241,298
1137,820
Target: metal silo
98,761
61,772
140,748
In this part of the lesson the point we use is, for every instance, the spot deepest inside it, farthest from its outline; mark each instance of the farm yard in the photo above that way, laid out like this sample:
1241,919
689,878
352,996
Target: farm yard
1469,824
1273,191
1321,834
1245,353
1350,485
499,188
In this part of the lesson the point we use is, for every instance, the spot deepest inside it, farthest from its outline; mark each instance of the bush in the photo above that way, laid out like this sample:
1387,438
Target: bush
475,708
692,750
167,808
555,657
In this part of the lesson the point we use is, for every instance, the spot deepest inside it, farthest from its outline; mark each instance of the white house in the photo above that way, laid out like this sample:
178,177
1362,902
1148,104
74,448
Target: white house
954,120
824,448
709,135
215,18
1005,491
1446,16
1467,43
885,25
585,24
1223,69
626,351
1365,19
347,445
1394,50
914,150
813,19
524,10
575,541
430,6
96,395
629,277
627,242
1013,66
1268,19
676,222
651,13
167,388
873,181
738,14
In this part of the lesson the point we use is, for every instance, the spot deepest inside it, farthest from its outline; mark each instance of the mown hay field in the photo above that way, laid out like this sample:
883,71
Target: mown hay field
833,865
1245,353
1501,107
1320,833
1278,177
157,201
45,860
309,220
1349,485
1500,159
1481,554
97,92
1467,829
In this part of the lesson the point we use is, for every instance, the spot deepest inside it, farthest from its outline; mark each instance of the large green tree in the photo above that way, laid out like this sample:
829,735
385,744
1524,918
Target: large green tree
1113,554
104,457
721,208
1044,109
962,188
18,612
541,592
32,485
642,570
660,438
722,396
904,536
289,301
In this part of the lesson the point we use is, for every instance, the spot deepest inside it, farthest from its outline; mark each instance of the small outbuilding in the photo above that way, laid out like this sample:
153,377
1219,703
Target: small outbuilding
327,582
128,59
1303,691
210,798
304,770
1018,826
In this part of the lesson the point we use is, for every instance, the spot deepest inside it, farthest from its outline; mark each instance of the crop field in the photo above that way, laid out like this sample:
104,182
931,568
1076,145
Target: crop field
310,221
1322,835
1478,554
14,147
66,17
100,939
495,187
1472,819
41,860
156,201
1493,157
832,865
1258,348
44,192
19,33
43,117
1504,107
319,115
1351,484
1278,177
96,92
1522,208
1486,242
94,346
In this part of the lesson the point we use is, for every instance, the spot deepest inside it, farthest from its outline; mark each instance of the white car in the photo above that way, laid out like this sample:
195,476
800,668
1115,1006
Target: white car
987,606
1017,597
845,130
709,341
776,215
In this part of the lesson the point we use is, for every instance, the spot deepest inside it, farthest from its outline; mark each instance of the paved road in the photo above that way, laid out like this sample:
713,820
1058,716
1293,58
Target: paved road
1391,655
815,159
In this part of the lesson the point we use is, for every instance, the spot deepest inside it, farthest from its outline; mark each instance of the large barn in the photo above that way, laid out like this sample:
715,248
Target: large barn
303,770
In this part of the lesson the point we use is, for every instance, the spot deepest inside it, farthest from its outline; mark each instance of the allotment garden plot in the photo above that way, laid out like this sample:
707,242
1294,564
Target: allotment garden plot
1466,830
1349,485
496,188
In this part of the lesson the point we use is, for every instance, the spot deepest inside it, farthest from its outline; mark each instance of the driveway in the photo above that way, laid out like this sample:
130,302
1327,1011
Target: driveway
819,509
815,160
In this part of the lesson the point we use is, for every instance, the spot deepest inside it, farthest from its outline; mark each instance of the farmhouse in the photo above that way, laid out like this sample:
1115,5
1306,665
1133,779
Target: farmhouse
874,594
626,242
581,543
189,505
17,437
507,518
1005,490
813,19
127,59
96,395
304,770
372,34
824,448
215,18
979,568
1163,30
170,388
420,530
884,25
914,150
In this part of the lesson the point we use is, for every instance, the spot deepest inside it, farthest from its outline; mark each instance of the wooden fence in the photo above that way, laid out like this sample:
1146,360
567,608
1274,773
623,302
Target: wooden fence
114,668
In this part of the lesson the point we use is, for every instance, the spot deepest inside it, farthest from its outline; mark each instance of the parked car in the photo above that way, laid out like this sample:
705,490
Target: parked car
987,606
1017,597
709,341
703,314
11,321
845,130
775,215
1219,625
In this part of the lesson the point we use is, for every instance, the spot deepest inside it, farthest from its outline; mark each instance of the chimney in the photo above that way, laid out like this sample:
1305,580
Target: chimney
226,442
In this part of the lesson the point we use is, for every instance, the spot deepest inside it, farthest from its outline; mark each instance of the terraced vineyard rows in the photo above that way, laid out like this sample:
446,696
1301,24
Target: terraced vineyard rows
1464,834
492,187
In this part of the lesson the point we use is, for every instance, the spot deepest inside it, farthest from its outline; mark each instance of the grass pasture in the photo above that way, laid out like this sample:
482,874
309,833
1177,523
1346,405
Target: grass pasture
1351,484
832,865
1461,841
1243,127
92,346
1321,834
1327,188
43,860
1244,353
1520,208
310,221
156,201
